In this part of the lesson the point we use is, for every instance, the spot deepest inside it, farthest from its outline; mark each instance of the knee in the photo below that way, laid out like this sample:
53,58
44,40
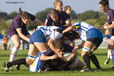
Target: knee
83,53
29,61
17,45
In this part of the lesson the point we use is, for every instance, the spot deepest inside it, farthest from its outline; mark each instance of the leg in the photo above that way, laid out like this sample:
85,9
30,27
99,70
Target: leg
79,65
33,51
85,50
16,62
95,61
16,41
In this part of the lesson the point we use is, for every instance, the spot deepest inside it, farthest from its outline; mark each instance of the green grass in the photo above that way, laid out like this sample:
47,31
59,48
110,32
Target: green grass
100,53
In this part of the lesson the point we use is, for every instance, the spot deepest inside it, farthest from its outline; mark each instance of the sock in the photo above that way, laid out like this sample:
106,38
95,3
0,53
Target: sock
112,52
17,62
95,61
13,54
109,55
86,59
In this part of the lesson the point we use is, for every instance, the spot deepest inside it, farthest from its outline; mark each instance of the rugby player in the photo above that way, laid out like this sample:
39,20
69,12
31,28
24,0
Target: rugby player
63,17
18,30
91,39
104,7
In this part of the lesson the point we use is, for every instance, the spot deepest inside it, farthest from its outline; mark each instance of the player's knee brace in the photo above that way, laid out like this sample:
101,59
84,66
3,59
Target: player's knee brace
31,57
14,50
86,49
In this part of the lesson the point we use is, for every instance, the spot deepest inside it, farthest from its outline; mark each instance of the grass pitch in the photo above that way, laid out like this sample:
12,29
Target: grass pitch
100,53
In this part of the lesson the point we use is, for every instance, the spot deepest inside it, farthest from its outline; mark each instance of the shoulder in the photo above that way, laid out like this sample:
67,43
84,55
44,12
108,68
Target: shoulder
110,11
63,13
17,18
48,16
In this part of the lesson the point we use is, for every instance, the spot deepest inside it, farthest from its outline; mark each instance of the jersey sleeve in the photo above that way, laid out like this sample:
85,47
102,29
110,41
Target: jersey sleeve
55,35
112,16
48,52
17,23
67,17
48,20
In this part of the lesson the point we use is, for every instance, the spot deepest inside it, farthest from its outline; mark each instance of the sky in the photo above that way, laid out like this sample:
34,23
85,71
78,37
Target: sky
34,6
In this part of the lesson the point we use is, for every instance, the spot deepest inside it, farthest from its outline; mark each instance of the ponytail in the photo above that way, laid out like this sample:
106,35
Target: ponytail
104,3
20,11
24,14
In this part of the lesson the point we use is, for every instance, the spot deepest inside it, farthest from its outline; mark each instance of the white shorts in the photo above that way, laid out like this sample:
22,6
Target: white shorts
112,37
74,64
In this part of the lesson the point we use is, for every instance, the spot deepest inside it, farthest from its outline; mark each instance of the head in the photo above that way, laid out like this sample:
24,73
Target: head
71,35
5,35
67,9
54,15
25,16
58,5
104,5
59,45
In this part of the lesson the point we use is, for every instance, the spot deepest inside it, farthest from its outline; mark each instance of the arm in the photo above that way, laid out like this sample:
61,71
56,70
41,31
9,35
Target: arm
50,43
79,46
73,55
106,24
68,23
68,29
38,22
110,26
19,31
44,57
46,22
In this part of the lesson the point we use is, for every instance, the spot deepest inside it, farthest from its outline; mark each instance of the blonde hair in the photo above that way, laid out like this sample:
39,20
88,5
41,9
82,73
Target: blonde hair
57,1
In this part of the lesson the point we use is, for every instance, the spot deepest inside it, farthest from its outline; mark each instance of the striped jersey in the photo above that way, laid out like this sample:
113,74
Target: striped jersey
82,29
50,32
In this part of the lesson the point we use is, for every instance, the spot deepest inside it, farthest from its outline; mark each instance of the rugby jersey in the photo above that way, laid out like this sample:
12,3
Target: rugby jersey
82,29
50,32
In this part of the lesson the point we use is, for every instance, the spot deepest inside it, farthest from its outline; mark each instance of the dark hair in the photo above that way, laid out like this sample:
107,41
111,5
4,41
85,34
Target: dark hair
104,3
66,7
71,35
59,43
24,15
53,12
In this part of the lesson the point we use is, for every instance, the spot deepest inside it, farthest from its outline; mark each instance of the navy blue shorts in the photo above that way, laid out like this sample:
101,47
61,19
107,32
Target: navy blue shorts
38,36
94,36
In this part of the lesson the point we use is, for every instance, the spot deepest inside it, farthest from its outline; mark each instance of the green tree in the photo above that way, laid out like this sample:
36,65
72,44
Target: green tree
12,15
73,15
3,15
43,14
3,26
89,15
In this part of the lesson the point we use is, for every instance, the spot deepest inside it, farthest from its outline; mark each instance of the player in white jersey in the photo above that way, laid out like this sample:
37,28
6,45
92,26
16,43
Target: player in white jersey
92,38
41,40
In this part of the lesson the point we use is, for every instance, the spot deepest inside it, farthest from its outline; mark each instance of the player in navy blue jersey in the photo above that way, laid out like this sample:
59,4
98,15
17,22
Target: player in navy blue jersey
63,17
19,30
104,7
